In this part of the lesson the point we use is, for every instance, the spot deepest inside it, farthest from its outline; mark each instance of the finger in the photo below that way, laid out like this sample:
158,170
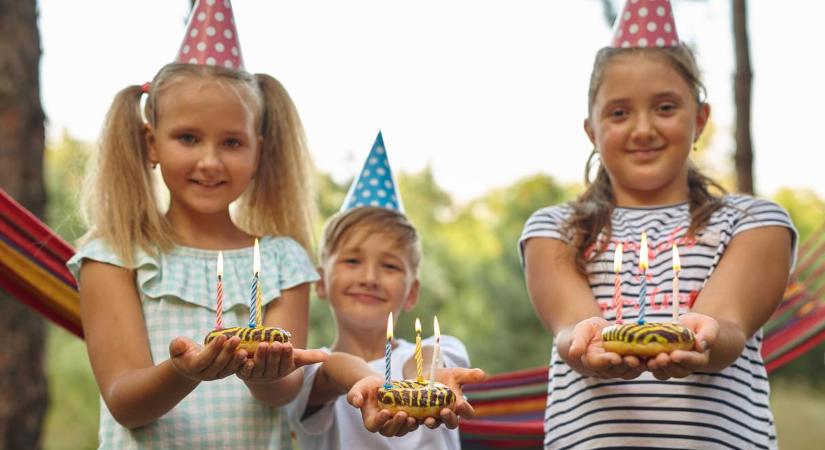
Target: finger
260,360
179,346
468,376
431,423
303,357
392,426
245,373
234,365
355,399
449,418
660,375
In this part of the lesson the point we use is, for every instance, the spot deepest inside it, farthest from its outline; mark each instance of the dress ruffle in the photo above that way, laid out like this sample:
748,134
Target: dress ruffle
190,274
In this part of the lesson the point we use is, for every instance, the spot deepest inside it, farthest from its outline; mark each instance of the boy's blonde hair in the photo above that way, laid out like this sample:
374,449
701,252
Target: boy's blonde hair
120,202
371,220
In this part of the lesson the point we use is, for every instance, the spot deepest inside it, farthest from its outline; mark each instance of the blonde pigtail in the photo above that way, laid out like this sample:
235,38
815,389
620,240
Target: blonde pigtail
121,205
281,199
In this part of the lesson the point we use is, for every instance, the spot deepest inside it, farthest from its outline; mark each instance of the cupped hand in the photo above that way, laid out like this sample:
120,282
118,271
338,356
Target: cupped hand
273,361
364,396
219,359
455,378
681,363
587,355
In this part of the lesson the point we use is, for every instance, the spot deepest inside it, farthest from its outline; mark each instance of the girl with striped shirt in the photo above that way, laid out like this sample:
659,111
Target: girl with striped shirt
646,111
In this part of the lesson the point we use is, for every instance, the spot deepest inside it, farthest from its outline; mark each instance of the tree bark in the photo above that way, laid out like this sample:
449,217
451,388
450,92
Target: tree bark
743,158
23,390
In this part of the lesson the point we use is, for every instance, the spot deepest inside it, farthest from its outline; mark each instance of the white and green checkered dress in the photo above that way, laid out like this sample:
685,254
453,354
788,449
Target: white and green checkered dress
178,293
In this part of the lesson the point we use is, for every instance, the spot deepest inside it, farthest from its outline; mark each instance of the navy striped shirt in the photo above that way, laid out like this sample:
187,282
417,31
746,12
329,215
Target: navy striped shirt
727,409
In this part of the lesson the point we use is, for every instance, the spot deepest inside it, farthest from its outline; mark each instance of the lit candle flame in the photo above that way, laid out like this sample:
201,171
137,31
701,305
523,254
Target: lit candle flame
389,327
617,258
220,264
417,325
437,330
643,252
256,259
677,265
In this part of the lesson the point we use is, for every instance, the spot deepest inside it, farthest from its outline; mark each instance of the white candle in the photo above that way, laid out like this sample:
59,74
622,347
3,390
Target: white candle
436,362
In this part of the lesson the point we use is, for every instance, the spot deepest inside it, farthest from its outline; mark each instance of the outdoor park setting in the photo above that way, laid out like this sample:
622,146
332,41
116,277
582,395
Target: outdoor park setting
480,105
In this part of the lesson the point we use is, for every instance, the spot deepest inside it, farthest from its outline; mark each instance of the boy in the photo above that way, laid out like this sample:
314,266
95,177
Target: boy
369,266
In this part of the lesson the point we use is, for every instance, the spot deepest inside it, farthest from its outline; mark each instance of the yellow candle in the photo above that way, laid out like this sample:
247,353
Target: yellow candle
419,358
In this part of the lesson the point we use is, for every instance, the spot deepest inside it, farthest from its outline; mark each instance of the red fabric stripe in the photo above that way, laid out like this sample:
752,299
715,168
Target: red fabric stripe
35,228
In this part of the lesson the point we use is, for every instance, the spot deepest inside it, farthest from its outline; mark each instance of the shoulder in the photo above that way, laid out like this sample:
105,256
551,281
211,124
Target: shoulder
748,210
96,250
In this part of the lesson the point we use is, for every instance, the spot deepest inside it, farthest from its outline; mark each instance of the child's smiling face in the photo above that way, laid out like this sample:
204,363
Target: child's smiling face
369,276
206,145
644,121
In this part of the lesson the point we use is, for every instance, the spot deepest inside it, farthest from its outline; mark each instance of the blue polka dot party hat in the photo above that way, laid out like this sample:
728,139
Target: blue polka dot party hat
375,185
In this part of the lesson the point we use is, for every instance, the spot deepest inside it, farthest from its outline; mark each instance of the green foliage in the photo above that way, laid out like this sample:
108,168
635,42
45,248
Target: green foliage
65,162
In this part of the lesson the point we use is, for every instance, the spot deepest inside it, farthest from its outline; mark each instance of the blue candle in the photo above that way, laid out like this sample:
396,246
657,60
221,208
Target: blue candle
388,355
643,286
254,297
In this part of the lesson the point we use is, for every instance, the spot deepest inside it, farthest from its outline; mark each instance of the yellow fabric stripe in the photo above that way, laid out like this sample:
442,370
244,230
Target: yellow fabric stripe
62,298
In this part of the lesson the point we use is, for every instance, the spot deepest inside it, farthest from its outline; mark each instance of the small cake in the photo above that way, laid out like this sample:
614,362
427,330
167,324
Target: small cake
647,339
251,337
416,398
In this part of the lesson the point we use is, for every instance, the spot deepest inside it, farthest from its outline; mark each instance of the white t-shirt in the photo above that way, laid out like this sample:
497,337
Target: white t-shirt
337,425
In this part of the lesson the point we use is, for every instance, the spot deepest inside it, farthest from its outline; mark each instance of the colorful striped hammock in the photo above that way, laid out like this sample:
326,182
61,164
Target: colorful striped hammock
509,406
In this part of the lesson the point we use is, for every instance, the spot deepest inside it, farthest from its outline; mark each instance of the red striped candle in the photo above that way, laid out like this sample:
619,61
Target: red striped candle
617,284
219,319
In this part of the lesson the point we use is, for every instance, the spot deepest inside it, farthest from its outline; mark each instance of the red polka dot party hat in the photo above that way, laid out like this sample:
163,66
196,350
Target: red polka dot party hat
645,23
211,37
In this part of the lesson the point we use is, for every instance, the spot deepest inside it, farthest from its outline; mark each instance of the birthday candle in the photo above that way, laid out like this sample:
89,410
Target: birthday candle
388,355
643,286
436,352
419,359
617,284
219,319
677,267
254,298
259,305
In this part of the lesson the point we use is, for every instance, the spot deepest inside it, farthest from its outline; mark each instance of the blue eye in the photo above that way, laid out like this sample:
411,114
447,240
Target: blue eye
187,138
232,143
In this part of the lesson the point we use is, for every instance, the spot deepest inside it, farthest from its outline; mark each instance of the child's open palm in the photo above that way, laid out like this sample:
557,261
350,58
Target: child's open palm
364,396
681,363
273,361
588,356
219,359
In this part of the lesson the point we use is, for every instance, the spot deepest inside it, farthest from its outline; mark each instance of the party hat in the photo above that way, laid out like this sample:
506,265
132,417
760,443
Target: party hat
375,185
211,37
645,23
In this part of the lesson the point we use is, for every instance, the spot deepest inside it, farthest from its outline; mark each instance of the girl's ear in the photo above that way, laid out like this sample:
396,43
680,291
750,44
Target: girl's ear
320,285
412,296
702,117
588,128
149,135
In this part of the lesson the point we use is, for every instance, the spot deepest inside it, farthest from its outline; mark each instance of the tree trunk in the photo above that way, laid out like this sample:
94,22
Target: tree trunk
742,93
23,393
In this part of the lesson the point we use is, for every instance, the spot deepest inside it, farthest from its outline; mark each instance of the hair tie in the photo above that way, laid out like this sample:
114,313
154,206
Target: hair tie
145,87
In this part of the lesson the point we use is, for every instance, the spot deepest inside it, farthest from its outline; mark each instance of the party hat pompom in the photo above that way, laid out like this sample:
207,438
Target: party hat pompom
375,185
645,23
211,37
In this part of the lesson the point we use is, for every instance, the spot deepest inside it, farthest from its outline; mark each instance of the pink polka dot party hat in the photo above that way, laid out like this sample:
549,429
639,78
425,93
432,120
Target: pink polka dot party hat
645,23
211,37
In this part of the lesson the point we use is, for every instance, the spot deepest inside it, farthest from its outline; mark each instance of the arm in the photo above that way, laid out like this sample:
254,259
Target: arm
136,391
741,295
565,305
270,374
336,376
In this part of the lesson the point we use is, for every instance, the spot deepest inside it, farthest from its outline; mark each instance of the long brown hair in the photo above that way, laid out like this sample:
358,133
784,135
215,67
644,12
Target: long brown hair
120,202
589,226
